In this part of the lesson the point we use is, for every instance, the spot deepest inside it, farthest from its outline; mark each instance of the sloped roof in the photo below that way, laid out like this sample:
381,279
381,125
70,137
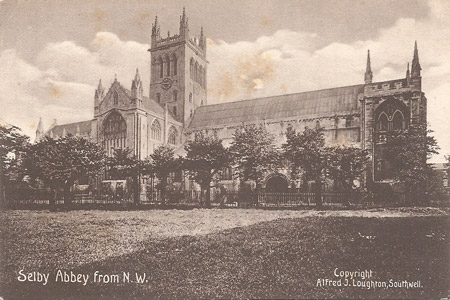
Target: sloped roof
72,128
314,103
149,104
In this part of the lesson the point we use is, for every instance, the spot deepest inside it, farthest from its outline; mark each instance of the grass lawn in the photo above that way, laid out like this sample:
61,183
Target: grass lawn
228,253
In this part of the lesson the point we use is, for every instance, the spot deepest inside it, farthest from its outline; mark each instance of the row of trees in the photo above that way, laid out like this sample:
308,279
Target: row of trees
253,153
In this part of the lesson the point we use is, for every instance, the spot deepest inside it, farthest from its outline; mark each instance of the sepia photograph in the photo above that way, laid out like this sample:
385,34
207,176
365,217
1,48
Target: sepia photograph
224,149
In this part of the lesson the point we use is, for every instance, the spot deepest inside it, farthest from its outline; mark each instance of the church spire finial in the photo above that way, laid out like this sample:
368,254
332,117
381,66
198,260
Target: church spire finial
415,66
137,77
100,86
368,75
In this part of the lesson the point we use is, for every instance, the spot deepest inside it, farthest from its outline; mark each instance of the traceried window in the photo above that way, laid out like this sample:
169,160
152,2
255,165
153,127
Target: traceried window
172,138
391,115
397,121
175,95
383,122
161,68
167,62
191,68
114,133
175,64
156,131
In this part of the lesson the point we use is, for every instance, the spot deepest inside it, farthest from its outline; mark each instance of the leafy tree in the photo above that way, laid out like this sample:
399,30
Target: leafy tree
163,162
254,152
12,145
410,149
125,165
60,162
306,154
205,158
346,164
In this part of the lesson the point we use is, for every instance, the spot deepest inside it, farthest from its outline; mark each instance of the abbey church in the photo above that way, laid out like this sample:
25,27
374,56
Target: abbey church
177,106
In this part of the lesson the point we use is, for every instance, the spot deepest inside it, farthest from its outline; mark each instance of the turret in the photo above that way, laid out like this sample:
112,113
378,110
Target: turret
415,66
137,89
39,131
368,75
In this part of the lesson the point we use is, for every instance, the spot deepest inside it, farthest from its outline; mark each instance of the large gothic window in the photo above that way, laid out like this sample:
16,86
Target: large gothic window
172,138
391,115
156,130
114,132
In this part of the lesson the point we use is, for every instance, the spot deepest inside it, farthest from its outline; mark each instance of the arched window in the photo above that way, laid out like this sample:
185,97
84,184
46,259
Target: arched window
382,122
172,137
397,121
174,110
190,97
161,68
116,98
191,68
156,131
114,132
204,78
167,61
175,95
196,72
158,97
175,64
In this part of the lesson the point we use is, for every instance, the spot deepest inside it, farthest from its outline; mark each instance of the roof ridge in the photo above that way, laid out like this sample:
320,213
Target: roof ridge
276,96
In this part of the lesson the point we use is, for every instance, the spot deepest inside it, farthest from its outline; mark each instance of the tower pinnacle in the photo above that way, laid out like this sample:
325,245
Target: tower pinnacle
415,66
368,75
39,131
408,74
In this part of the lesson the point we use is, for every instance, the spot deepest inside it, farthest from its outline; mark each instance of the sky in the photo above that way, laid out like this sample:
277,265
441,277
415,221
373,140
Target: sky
52,53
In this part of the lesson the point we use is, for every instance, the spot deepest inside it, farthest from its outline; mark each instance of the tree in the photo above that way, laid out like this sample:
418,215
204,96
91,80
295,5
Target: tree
205,158
12,145
254,152
306,154
345,165
125,165
409,150
60,162
163,162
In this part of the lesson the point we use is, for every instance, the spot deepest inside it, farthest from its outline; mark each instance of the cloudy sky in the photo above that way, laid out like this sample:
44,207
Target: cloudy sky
52,53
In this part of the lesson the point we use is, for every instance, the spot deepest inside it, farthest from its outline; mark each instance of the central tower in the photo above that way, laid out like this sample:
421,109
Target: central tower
178,70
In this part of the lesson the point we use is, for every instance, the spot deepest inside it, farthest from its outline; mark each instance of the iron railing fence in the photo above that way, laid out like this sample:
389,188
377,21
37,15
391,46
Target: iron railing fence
186,198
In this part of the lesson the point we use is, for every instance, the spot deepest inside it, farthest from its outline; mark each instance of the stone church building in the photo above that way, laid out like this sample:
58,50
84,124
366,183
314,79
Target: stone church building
177,107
